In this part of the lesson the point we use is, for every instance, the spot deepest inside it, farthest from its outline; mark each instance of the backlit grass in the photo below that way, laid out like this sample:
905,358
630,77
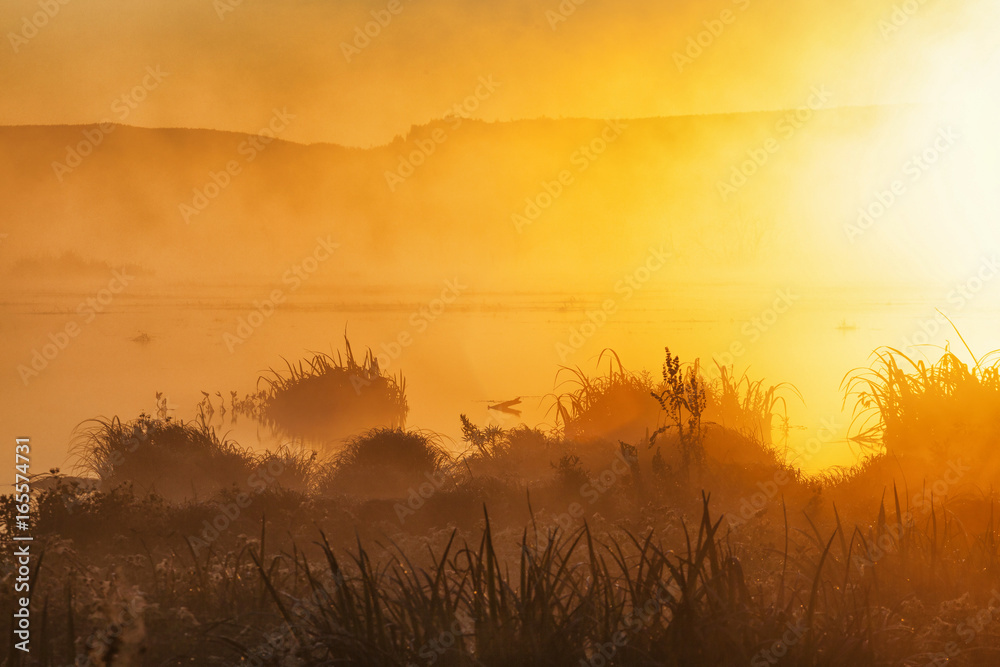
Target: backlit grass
534,548
329,397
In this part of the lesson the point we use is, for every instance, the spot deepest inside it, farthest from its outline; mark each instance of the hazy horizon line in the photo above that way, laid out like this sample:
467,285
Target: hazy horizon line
416,126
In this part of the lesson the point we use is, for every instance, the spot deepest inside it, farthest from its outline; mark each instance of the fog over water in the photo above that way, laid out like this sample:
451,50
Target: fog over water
484,347
574,217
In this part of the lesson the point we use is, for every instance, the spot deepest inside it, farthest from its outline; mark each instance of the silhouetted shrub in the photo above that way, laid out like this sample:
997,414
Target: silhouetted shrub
385,462
172,459
328,398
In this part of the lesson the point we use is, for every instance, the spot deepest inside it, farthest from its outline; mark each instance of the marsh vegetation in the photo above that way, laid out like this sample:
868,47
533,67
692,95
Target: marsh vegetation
659,522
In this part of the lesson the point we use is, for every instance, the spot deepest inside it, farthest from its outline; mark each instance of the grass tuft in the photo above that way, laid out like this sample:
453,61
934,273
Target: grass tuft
327,397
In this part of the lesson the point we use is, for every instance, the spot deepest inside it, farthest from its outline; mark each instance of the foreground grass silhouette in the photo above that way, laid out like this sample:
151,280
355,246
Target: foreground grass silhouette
532,548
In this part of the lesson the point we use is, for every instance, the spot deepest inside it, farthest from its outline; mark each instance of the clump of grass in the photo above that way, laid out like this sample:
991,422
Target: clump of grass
908,582
940,410
614,406
298,467
570,598
489,442
520,451
384,462
895,589
169,458
748,406
570,472
622,406
326,398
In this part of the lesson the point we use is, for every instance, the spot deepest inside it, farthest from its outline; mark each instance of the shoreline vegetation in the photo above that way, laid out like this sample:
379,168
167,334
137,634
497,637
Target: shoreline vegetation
658,523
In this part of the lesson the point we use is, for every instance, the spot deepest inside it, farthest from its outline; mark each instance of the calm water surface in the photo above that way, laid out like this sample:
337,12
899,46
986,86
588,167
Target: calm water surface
482,347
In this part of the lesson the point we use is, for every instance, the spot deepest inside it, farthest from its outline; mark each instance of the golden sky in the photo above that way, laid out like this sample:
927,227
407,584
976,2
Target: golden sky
229,62
897,80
